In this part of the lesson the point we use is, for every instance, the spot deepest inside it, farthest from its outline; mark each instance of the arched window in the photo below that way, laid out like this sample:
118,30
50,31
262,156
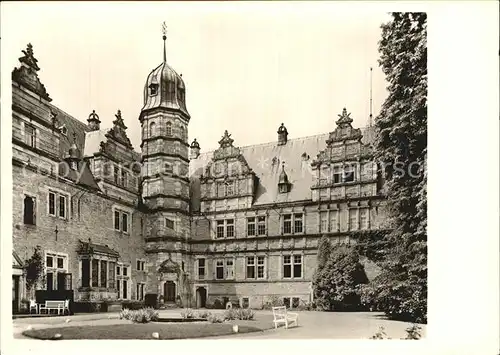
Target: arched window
168,129
29,210
151,129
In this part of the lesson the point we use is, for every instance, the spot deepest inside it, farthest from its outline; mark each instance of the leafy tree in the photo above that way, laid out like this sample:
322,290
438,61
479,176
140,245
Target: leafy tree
336,283
401,148
34,269
324,251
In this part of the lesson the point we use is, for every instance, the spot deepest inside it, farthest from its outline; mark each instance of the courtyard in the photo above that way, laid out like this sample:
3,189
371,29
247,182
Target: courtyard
312,325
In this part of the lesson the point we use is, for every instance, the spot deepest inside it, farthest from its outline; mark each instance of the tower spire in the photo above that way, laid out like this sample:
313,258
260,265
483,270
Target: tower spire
371,113
164,30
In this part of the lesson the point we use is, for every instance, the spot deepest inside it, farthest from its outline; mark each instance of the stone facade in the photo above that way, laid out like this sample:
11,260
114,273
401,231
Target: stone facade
239,224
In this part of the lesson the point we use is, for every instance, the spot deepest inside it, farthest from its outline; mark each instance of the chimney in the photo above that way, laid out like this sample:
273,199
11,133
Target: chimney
195,150
282,135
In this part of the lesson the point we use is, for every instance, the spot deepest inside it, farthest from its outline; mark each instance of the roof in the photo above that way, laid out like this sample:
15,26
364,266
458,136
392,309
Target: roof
266,161
92,248
73,126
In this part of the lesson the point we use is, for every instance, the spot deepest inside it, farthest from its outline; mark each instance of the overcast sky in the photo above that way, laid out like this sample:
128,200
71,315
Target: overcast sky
247,66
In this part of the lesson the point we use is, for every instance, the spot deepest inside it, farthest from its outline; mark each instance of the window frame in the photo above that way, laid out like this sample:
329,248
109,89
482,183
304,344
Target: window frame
30,139
58,196
289,223
34,209
251,222
117,211
292,263
201,276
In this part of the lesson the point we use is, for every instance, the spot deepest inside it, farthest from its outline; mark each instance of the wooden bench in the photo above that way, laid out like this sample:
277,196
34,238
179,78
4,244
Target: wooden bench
281,315
55,305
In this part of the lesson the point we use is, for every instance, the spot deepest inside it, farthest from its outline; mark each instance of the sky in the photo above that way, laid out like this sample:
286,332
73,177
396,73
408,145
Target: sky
248,67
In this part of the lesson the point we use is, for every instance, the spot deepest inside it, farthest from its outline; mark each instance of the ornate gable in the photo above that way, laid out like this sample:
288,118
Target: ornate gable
27,76
169,266
118,133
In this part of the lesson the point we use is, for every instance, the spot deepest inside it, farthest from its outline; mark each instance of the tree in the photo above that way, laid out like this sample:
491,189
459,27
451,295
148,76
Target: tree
34,269
324,251
336,283
401,149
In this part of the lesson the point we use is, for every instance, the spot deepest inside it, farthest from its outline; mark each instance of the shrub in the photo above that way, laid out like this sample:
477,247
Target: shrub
413,332
273,301
143,315
230,314
215,318
380,334
203,314
187,313
133,305
218,304
244,314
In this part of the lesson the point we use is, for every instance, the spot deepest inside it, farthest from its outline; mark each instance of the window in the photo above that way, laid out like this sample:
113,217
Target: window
168,129
251,226
260,267
298,222
337,175
29,213
111,275
139,293
353,219
201,269
323,226
363,218
286,302
152,129
349,174
219,270
292,266
124,178
121,221
85,272
56,276
334,227
245,302
169,223
230,228
225,228
122,281
153,89
116,174
104,273
30,135
140,264
229,269
250,267
287,224
57,204
261,230
230,188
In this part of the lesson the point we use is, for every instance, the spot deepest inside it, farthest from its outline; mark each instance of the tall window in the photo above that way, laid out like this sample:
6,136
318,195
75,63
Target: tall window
201,269
353,219
293,223
168,129
57,204
229,269
30,135
121,221
225,228
251,226
230,188
104,273
124,178
116,175
323,226
261,225
363,218
256,267
219,270
337,175
122,281
261,267
140,265
56,276
250,267
29,207
139,292
152,127
292,266
334,227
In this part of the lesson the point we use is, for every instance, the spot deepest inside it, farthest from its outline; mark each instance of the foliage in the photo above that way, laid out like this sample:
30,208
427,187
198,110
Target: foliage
230,314
413,332
133,305
218,304
324,251
245,314
203,314
306,306
273,301
380,334
401,146
34,268
215,318
143,315
336,284
187,313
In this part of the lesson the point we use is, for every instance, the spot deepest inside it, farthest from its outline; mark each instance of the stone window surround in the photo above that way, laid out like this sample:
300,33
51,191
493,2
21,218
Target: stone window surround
142,264
257,223
197,267
100,258
292,221
35,198
282,260
122,209
54,269
256,266
120,278
224,217
58,192
224,267
36,132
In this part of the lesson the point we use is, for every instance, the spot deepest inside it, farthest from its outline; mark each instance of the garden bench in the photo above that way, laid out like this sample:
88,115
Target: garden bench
281,315
55,305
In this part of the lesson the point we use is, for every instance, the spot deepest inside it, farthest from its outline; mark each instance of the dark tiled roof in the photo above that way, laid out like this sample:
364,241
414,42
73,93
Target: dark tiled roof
73,126
91,248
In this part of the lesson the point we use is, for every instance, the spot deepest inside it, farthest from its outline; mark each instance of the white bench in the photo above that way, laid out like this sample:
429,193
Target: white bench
281,315
55,305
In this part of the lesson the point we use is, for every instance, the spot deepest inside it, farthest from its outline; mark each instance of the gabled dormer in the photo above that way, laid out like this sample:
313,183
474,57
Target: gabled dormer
283,183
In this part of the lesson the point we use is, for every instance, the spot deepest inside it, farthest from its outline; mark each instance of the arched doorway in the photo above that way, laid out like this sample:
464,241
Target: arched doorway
169,291
201,297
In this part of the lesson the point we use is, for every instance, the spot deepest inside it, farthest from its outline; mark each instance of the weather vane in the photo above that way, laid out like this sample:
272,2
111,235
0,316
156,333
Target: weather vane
164,29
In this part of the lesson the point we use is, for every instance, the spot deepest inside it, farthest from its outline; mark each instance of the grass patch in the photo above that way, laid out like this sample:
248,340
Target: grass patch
143,331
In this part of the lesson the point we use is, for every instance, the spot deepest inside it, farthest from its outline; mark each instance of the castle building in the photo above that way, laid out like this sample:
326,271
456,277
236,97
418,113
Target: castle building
238,224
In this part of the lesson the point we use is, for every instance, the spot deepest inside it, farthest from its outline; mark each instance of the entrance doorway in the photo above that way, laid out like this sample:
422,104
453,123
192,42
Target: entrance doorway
169,291
201,297
15,294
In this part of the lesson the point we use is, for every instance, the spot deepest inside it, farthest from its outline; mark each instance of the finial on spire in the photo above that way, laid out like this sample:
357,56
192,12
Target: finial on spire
164,31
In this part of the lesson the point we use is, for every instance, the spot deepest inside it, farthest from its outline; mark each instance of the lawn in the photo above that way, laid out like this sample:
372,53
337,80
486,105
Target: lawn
145,331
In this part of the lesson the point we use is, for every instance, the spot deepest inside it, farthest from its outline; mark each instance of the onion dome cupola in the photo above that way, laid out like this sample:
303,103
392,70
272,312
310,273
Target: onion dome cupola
194,150
282,135
283,183
165,88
